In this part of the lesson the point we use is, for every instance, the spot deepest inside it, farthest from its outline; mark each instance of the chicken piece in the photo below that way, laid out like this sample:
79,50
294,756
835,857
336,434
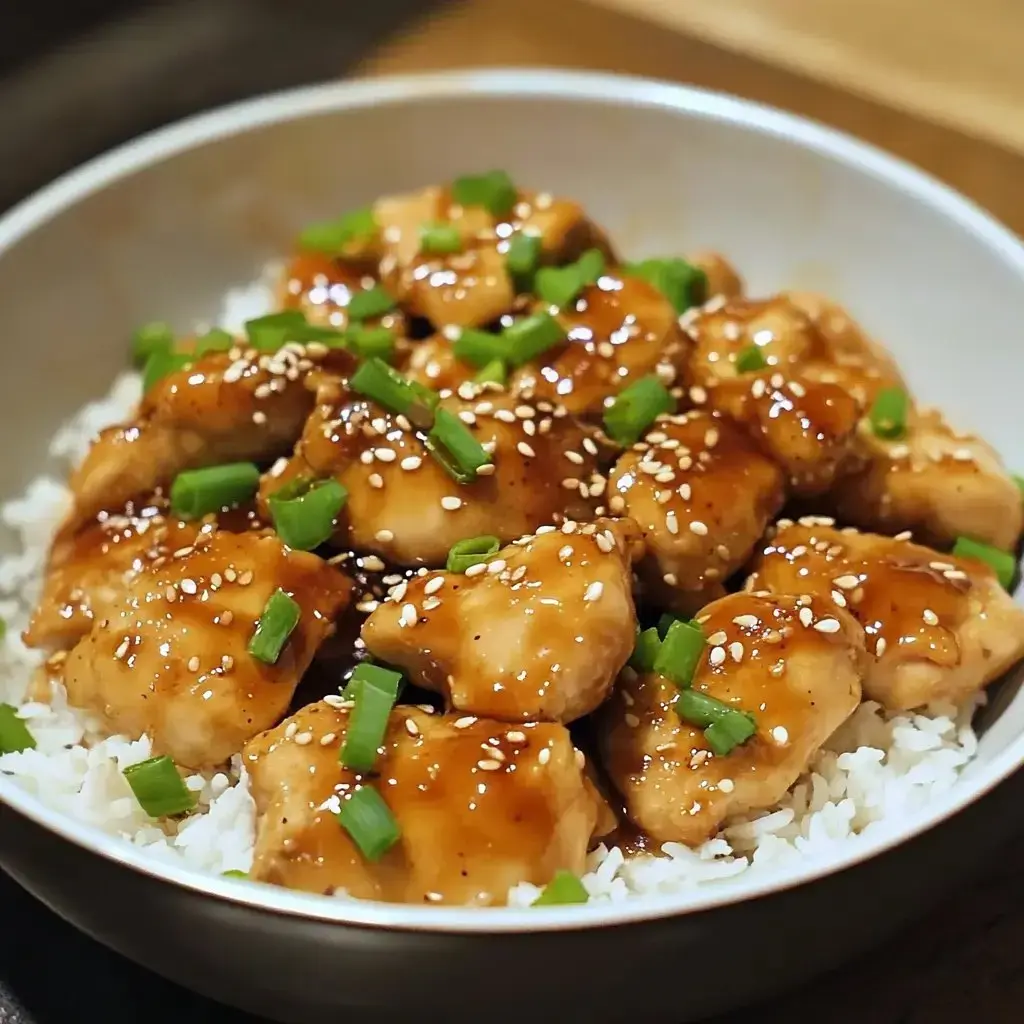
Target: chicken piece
228,407
935,481
433,363
795,665
537,634
481,807
404,507
682,486
722,277
618,330
169,658
938,628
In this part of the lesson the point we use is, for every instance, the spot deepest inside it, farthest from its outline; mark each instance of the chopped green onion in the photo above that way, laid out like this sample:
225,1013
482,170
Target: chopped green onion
532,336
680,652
730,732
374,691
234,873
332,236
163,364
636,408
478,348
269,333
561,285
472,551
198,492
280,616
1019,481
440,238
563,889
645,653
666,622
750,359
1004,563
494,372
366,342
888,413
369,821
150,338
494,191
3,628
376,380
14,734
216,339
159,789
372,302
683,284
305,511
455,448
523,257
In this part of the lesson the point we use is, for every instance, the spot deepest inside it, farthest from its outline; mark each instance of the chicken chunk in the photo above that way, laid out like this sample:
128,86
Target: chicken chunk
794,664
481,807
537,634
403,506
938,627
722,277
434,364
170,656
682,486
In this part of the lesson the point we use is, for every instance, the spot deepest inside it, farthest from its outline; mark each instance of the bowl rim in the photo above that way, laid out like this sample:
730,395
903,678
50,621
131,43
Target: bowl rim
503,83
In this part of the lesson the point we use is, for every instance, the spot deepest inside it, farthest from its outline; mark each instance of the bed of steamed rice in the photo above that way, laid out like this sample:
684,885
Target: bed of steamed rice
876,773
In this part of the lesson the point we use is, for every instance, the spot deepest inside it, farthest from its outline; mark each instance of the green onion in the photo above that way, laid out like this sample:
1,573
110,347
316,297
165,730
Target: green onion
304,512
14,734
680,652
888,413
376,380
561,285
494,372
198,492
730,732
472,551
666,622
367,342
373,302
636,408
530,337
1019,481
750,359
683,284
478,348
645,652
214,340
234,873
3,628
440,238
332,236
374,691
163,364
159,789
1004,563
455,448
369,821
563,889
150,338
280,616
494,191
269,333
523,257
724,727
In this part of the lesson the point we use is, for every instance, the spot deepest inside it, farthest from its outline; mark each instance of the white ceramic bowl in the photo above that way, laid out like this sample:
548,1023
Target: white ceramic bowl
167,223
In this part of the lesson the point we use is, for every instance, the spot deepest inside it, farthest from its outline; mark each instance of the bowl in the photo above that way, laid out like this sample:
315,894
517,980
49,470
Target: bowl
168,223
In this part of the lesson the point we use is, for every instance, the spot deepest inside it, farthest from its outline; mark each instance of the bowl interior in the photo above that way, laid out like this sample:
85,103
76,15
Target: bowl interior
165,227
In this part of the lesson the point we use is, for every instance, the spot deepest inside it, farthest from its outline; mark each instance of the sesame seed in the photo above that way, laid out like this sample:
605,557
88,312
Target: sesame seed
594,591
431,603
930,618
736,651
717,656
465,722
411,462
544,755
411,727
492,752
726,785
718,638
488,765
605,541
328,738
685,492
846,582
963,455
838,598
171,594
385,455
188,586
524,449
880,647
580,758
478,569
745,621
372,562
467,417
780,734
905,535
432,586
246,578
505,415
515,736
450,503
290,730
366,457
498,565
122,649
227,662
589,446
303,739
398,592
806,617
631,720
384,536
565,552
376,480
671,523
698,528
670,578
408,616
227,617
827,625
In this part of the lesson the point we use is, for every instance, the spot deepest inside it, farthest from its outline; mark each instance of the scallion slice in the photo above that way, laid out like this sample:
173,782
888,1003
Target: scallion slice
369,821
1003,562
561,285
494,372
666,622
725,727
683,284
162,364
564,888
234,873
376,380
14,733
373,675
280,617
150,338
368,342
374,694
305,512
471,551
478,348
216,339
198,492
440,238
523,257
455,448
888,413
1019,481
372,302
750,359
636,408
494,191
680,652
530,337
159,789
724,736
332,236
271,332
645,653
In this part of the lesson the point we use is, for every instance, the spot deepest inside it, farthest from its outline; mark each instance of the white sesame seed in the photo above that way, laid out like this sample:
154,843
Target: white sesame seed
193,663
605,541
838,598
594,591
376,480
780,734
574,457
488,765
736,651
717,656
685,492
847,582
544,755
498,565
465,722
478,569
411,727
398,592
515,736
698,528
524,449
671,523
905,535
827,625
385,455
290,730
631,720
806,617
880,647
384,536
963,455
122,649
303,739
188,586
930,618
467,417
408,616
670,578
372,562
450,503
745,621
726,785
411,462
432,586
718,638
565,552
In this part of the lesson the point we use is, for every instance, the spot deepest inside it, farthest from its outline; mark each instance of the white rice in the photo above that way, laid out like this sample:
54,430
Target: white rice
876,773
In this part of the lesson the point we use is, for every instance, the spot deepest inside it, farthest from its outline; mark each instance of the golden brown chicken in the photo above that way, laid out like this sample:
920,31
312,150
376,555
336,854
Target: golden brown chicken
794,664
937,627
169,657
480,805
538,633
703,494
723,279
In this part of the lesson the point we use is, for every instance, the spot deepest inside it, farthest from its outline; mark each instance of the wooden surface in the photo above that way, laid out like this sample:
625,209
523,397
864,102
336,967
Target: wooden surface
966,961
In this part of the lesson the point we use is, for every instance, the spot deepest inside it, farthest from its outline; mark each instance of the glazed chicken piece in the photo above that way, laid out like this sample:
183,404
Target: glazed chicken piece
403,506
169,658
722,277
481,807
471,287
794,664
539,633
938,628
433,363
228,407
703,493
